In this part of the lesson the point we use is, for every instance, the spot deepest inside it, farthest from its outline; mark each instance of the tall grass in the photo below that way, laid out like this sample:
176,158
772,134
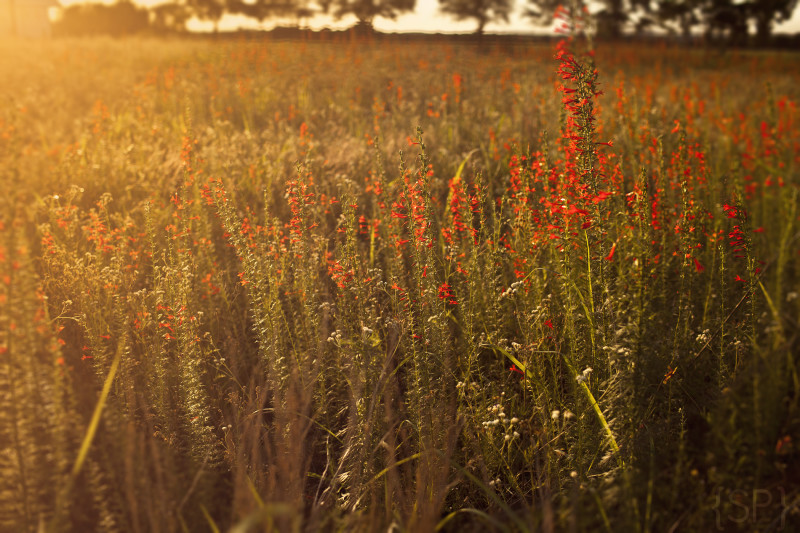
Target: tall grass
323,286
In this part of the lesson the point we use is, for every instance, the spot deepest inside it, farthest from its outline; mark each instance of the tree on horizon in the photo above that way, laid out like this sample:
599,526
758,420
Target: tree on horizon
729,20
766,13
211,10
366,11
261,10
481,11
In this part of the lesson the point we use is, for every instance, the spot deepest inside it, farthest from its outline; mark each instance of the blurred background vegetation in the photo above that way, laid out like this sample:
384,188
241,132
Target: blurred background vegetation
726,22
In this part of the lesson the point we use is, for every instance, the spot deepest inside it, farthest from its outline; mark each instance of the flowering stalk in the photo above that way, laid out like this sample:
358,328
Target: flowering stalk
582,199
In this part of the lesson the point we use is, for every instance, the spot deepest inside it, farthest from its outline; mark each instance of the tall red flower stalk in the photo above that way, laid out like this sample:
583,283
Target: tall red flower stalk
579,91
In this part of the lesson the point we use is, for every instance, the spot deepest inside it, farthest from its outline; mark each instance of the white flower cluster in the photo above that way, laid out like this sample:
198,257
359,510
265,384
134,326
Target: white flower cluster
512,290
584,376
617,349
556,414
704,337
501,419
471,386
335,337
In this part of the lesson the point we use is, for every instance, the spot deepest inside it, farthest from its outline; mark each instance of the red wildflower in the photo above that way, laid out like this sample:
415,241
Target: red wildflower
610,256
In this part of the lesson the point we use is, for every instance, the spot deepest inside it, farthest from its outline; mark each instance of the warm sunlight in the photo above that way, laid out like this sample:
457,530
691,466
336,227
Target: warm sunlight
426,17
298,279
26,18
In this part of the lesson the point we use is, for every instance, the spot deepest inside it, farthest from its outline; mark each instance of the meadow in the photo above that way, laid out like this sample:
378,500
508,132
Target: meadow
398,286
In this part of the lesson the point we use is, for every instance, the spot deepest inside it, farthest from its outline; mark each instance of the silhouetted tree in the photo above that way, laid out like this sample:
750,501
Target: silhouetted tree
122,18
727,20
211,10
542,11
368,10
768,12
609,20
481,11
680,15
263,9
723,19
170,17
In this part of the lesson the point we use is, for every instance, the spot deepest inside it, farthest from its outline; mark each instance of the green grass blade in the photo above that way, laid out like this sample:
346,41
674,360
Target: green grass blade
98,411
211,523
493,521
596,407
514,517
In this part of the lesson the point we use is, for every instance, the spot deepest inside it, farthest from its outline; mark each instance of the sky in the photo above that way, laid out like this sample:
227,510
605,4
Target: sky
425,18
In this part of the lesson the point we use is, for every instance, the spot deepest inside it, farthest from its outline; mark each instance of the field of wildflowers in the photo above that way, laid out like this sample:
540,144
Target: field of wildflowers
371,286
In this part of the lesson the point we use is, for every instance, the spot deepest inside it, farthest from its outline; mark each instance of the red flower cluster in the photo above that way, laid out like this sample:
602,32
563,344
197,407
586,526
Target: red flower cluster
446,294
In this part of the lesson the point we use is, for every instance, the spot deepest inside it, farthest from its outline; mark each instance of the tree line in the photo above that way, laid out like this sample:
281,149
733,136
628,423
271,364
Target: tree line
729,20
